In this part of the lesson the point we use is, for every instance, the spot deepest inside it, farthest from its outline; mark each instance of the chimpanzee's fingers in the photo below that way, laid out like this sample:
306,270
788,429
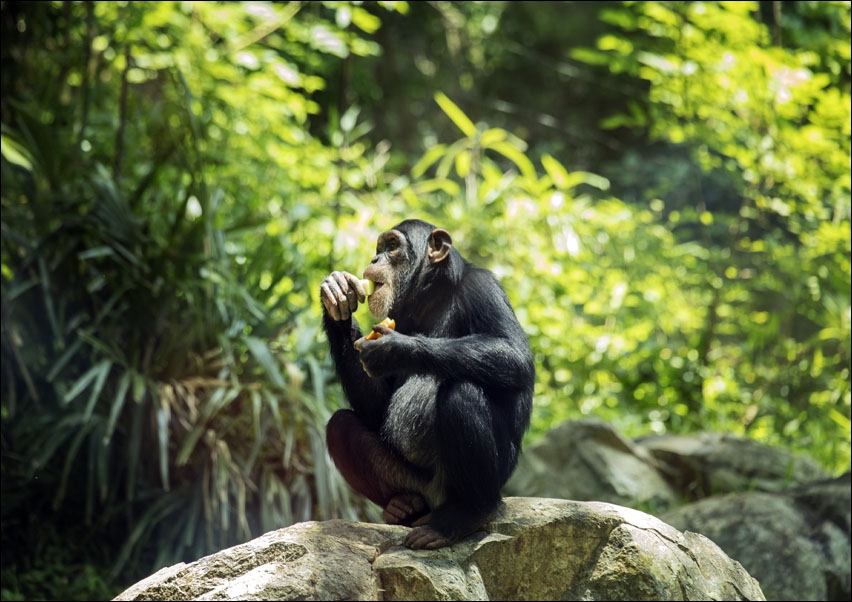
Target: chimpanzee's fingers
384,330
346,293
352,299
355,284
329,301
337,297
360,343
341,285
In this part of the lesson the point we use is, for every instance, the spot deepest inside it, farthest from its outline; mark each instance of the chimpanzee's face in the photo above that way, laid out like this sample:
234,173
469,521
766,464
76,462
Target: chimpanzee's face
387,269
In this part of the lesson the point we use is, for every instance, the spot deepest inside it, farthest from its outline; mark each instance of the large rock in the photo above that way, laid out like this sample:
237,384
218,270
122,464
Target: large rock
788,523
797,543
588,460
534,549
707,464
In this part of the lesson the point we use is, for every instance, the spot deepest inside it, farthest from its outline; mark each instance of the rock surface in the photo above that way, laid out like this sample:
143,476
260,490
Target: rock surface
797,543
779,514
534,549
589,460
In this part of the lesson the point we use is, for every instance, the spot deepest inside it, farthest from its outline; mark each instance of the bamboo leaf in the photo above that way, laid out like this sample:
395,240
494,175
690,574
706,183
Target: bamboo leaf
117,404
256,407
48,300
516,156
15,153
491,136
558,174
446,163
189,444
138,387
100,455
101,251
103,369
162,507
72,349
261,353
58,434
428,159
576,178
272,402
463,163
427,186
133,446
81,384
20,288
321,473
455,114
163,419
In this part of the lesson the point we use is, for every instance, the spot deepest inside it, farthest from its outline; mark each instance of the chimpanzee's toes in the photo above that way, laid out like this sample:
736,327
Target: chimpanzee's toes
426,538
404,508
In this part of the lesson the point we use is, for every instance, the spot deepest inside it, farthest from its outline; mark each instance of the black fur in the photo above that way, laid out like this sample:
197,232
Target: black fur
450,396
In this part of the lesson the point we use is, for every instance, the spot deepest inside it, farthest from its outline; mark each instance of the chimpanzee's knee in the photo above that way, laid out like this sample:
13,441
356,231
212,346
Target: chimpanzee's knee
338,431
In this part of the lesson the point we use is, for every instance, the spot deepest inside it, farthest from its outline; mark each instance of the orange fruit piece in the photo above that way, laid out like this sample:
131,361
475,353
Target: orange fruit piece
389,322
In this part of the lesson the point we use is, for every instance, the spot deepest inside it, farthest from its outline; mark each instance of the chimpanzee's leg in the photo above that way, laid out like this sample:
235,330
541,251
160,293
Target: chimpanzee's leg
375,470
475,447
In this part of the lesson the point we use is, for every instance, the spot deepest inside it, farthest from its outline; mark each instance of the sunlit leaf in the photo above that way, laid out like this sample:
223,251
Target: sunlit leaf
455,114
14,153
558,174
516,156
463,163
428,159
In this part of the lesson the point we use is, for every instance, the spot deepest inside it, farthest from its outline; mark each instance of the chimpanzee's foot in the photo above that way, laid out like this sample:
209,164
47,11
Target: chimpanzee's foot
425,537
404,509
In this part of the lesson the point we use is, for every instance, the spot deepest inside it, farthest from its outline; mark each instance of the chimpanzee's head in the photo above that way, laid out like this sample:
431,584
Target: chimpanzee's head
406,258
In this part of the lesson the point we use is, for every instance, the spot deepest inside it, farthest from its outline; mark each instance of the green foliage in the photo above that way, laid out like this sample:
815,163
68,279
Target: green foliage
177,178
776,123
162,374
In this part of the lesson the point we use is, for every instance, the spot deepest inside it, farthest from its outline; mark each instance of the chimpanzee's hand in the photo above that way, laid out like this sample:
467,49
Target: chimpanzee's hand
382,356
340,293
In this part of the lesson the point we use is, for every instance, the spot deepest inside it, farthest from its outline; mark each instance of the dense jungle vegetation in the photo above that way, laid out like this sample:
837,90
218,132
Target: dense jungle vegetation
663,189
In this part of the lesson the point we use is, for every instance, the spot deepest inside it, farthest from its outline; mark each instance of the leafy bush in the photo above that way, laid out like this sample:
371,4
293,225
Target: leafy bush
177,178
163,381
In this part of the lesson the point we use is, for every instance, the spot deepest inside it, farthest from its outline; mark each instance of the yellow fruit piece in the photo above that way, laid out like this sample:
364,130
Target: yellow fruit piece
369,286
389,322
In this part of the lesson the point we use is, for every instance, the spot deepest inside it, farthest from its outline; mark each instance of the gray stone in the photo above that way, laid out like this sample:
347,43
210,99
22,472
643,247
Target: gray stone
797,543
534,549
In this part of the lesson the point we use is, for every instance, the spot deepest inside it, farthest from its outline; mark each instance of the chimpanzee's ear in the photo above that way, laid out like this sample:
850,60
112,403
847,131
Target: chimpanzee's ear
440,244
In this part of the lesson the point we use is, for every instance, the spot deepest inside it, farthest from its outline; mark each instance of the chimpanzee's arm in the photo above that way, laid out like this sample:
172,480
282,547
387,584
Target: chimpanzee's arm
488,360
367,396
495,353
340,293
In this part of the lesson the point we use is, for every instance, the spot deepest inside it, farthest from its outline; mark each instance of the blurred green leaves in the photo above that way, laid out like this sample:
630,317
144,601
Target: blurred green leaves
178,177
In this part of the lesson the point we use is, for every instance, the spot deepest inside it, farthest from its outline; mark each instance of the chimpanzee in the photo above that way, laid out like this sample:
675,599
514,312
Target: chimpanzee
441,403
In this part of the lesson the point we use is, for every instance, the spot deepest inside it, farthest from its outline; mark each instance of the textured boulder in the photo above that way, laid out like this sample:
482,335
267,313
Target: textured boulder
589,460
777,513
797,543
707,464
534,549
